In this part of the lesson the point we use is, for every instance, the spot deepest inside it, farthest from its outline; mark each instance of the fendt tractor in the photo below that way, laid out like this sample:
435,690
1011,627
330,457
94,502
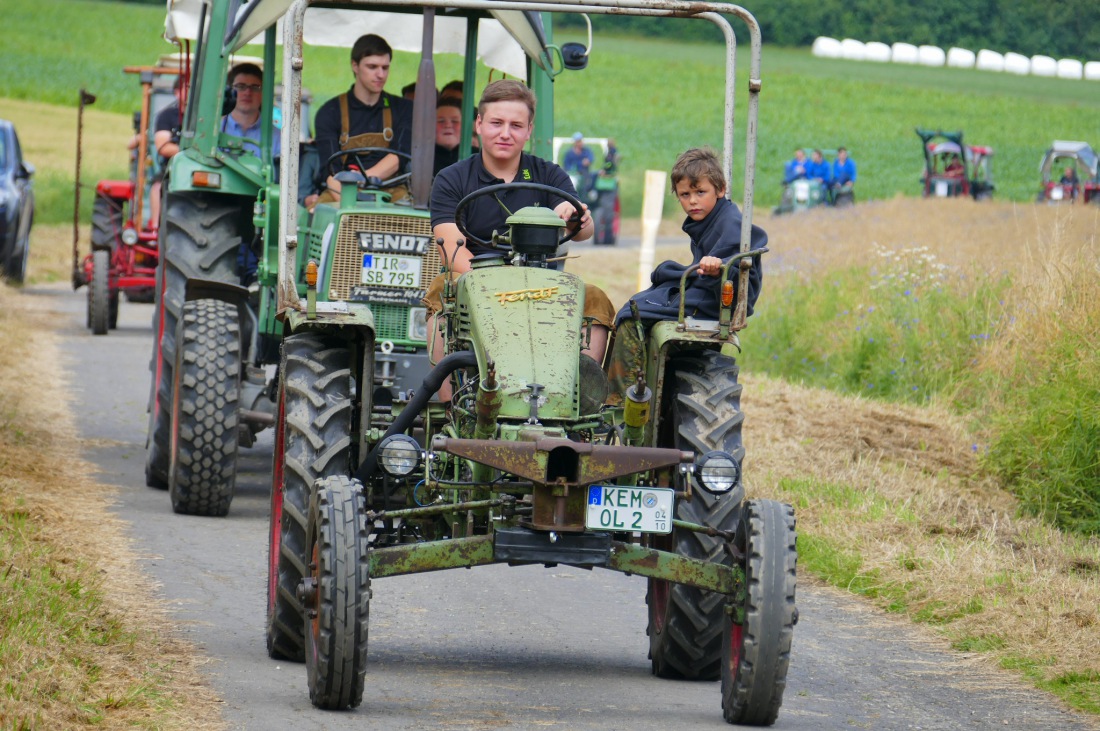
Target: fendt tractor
528,461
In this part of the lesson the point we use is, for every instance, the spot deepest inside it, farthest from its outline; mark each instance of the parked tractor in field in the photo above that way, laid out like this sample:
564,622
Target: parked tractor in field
1070,173
526,463
124,250
953,169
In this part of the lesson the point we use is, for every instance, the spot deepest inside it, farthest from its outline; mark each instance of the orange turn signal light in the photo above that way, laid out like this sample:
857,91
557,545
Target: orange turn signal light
727,293
204,179
311,274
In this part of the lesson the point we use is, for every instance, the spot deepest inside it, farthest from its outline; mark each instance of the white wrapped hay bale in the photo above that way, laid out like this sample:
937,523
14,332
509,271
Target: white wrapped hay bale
904,53
1043,66
1092,70
1017,64
989,61
853,50
1069,68
931,56
961,58
879,52
826,47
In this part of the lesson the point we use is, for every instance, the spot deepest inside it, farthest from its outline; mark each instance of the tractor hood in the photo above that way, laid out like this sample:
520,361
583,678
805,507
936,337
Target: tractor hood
505,40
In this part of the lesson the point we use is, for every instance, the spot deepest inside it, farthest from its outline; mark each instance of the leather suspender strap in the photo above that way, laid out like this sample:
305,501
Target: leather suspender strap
344,123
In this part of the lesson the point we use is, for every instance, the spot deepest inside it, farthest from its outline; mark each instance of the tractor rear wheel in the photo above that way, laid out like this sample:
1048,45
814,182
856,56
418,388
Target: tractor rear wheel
702,413
99,293
338,595
205,409
757,652
312,441
199,240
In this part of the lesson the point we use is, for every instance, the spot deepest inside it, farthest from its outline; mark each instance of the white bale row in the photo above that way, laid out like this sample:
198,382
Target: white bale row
1017,64
825,47
985,60
960,58
878,52
931,56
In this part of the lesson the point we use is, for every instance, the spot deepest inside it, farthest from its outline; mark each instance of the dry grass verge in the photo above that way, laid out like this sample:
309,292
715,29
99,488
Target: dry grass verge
893,502
83,643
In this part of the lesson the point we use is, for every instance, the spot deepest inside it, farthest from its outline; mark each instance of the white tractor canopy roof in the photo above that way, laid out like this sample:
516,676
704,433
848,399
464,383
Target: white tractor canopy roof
1070,150
504,42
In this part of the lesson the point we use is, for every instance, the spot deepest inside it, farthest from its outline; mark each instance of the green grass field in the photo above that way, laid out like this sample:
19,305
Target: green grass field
655,97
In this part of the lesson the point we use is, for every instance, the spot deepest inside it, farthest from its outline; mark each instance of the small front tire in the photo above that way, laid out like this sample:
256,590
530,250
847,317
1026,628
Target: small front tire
757,652
337,601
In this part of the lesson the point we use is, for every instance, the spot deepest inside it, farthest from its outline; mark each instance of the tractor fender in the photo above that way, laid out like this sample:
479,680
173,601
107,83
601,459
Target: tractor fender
117,189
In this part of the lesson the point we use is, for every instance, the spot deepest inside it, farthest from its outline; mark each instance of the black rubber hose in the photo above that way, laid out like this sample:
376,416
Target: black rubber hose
432,382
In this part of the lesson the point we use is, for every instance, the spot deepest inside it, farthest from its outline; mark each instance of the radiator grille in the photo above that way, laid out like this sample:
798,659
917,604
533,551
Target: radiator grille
347,263
391,322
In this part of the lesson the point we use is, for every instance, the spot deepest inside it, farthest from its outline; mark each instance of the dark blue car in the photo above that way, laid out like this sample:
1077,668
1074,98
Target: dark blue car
16,205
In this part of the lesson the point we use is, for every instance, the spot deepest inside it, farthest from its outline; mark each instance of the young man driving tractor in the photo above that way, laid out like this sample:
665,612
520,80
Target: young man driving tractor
505,121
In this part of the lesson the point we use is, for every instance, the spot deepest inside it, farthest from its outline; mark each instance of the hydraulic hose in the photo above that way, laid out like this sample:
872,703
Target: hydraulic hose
432,382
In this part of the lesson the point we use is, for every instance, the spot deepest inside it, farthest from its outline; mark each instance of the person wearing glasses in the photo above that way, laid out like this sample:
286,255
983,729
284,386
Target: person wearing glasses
246,81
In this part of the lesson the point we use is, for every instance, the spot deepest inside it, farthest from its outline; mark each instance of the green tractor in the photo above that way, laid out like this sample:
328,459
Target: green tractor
373,475
526,463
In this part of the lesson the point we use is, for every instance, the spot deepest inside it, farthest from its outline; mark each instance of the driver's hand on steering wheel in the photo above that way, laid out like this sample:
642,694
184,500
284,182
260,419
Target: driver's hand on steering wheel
566,211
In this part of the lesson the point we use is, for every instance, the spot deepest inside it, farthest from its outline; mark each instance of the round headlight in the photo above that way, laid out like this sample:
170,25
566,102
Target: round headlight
399,455
129,236
718,472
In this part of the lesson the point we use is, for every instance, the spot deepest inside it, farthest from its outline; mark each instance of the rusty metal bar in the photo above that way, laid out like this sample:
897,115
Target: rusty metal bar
705,529
634,559
418,558
441,509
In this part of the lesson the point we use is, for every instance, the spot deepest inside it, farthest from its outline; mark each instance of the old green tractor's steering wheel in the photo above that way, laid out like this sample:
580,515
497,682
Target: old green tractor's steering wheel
463,204
359,156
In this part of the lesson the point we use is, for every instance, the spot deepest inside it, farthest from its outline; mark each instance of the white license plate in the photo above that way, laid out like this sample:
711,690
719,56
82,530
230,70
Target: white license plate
630,509
390,270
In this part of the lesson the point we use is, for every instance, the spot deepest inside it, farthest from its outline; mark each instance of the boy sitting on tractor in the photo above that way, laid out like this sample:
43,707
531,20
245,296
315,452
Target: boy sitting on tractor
714,225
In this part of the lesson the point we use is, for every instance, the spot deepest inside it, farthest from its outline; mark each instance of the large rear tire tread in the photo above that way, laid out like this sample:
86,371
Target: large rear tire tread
206,401
200,239
704,411
106,222
336,644
756,655
316,383
99,293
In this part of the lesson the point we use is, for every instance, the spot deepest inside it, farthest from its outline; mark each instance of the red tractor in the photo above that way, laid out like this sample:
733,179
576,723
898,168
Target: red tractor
124,251
952,168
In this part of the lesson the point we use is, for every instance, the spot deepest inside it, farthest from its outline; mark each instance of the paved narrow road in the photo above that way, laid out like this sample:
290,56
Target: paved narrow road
496,647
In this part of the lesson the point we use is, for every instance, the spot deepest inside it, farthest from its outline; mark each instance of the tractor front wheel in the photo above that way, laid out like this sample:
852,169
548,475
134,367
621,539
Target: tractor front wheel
312,441
756,652
337,594
703,413
205,409
99,293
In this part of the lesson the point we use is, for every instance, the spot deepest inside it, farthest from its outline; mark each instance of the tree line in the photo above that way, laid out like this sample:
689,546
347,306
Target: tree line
1059,28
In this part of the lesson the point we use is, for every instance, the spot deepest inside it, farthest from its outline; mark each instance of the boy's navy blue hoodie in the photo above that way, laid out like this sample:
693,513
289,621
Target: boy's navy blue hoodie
719,234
